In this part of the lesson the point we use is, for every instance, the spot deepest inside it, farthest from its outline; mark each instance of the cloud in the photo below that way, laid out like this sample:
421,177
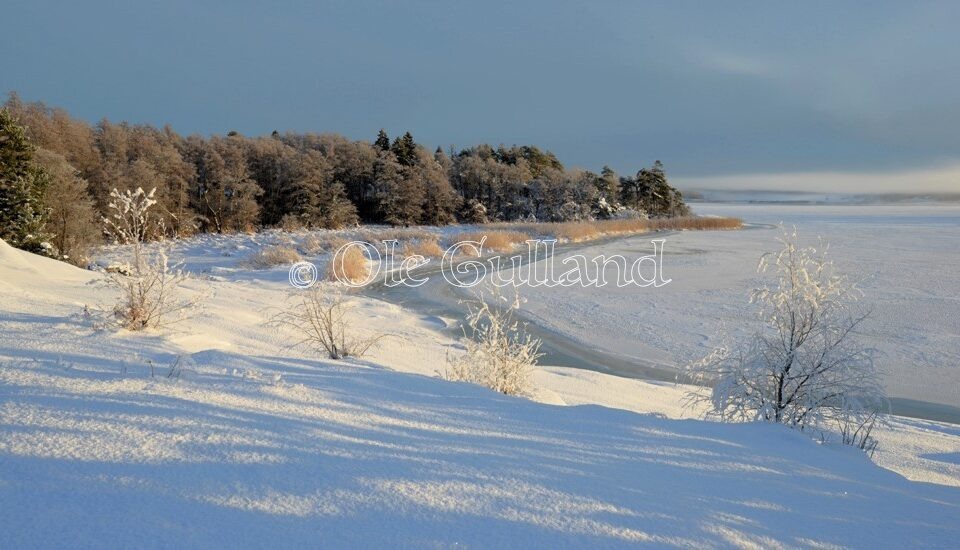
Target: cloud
738,64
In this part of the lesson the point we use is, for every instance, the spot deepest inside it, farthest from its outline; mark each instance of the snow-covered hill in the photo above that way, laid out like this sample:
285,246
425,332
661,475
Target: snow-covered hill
253,444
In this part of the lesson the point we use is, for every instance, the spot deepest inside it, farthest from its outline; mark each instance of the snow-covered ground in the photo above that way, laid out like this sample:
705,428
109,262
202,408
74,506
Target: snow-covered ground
256,444
904,258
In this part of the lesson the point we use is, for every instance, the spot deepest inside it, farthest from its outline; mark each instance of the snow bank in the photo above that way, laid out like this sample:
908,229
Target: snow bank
21,269
253,444
345,456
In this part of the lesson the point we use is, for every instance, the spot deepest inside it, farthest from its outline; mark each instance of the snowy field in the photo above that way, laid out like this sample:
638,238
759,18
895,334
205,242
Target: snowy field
904,258
255,444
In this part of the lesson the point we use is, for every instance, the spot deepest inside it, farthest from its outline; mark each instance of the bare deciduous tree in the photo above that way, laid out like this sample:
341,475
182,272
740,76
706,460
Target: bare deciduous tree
806,368
71,219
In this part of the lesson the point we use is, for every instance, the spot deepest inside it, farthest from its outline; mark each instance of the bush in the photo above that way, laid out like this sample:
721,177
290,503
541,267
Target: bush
148,297
148,284
499,353
324,322
273,256
291,222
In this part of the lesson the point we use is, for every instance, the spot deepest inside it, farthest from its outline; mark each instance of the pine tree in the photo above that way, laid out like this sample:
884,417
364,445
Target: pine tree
383,140
22,185
405,148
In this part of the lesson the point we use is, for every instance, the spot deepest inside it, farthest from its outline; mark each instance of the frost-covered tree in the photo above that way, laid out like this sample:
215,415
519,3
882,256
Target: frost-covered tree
473,211
608,184
71,219
131,220
22,186
225,194
400,191
440,200
650,192
806,368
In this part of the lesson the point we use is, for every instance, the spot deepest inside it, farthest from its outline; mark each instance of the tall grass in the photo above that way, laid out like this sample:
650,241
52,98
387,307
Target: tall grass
498,237
349,265
428,248
587,231
316,244
497,241
272,256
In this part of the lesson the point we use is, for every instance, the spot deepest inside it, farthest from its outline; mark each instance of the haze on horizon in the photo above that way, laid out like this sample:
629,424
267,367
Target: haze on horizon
814,96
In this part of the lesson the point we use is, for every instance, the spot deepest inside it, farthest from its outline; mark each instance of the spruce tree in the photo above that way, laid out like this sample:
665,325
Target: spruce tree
383,140
405,148
22,185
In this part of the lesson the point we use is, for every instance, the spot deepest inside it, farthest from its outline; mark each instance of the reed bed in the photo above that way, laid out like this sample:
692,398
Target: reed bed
591,230
428,248
273,256
497,241
350,265
318,244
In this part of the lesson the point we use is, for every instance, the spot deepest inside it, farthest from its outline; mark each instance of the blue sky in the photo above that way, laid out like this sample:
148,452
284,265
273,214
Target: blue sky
715,90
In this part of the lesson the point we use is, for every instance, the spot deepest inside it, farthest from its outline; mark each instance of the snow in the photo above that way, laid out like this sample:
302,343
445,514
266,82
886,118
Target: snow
256,444
902,257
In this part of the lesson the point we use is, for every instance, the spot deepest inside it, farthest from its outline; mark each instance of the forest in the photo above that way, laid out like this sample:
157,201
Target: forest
57,173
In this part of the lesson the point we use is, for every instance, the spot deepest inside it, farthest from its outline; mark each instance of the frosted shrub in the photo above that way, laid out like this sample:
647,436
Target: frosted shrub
806,368
499,353
148,285
323,320
148,294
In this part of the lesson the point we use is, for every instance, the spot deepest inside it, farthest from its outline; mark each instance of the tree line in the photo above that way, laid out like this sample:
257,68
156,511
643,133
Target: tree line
57,173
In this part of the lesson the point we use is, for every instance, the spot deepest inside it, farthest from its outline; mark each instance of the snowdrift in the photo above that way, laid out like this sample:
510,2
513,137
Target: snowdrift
250,444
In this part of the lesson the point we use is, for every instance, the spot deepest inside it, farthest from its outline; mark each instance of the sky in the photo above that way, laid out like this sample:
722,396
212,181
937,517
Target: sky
727,94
